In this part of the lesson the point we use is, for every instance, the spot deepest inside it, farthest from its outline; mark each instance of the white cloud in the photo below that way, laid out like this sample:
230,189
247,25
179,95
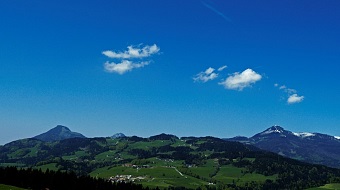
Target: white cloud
123,66
291,93
209,71
206,75
239,81
125,57
222,68
294,98
133,52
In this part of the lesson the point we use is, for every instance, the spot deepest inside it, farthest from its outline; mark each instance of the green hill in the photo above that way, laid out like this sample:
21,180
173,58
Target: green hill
166,161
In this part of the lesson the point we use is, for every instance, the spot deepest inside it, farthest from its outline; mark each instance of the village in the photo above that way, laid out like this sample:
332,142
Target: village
125,178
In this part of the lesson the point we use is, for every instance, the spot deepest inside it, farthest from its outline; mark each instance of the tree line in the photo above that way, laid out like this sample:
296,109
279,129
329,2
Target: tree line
56,180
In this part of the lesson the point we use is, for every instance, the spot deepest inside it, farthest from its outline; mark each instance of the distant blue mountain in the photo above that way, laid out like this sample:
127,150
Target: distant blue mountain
58,133
118,135
314,148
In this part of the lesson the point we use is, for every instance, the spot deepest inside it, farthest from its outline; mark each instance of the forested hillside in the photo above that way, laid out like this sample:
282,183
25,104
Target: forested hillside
166,161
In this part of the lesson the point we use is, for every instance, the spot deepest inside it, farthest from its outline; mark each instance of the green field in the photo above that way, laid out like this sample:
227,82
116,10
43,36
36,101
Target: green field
51,166
154,176
148,145
328,186
229,174
162,162
106,156
161,176
76,155
205,170
151,172
8,187
179,143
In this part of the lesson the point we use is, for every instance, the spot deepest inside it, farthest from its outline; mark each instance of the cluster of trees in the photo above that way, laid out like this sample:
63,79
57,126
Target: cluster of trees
293,174
163,137
55,180
176,153
141,153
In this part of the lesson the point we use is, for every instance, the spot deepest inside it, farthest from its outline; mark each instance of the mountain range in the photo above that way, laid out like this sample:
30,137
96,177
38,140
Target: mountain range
192,162
166,161
314,148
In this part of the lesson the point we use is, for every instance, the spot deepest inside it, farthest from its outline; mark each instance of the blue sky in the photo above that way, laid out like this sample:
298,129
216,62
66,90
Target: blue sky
189,68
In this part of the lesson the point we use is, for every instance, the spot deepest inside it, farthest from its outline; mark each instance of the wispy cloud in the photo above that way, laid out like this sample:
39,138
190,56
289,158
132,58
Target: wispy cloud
292,95
222,68
239,81
127,59
123,66
216,11
206,75
287,90
133,52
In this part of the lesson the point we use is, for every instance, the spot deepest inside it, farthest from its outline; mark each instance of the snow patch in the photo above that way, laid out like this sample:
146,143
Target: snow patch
274,129
271,131
304,134
337,137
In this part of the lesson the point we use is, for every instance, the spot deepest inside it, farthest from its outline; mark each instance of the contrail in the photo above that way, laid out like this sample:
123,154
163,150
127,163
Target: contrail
216,11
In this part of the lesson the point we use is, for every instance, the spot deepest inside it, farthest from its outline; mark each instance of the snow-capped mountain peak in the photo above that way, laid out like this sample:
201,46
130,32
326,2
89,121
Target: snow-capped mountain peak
313,147
274,129
277,131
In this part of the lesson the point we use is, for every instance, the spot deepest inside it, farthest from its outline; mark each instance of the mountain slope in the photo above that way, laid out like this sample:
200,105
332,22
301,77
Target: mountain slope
310,147
168,161
58,133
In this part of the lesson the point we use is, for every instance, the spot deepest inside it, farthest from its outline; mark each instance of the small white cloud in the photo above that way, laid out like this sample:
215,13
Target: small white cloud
123,66
222,68
291,93
209,71
282,87
239,81
133,52
206,75
295,99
